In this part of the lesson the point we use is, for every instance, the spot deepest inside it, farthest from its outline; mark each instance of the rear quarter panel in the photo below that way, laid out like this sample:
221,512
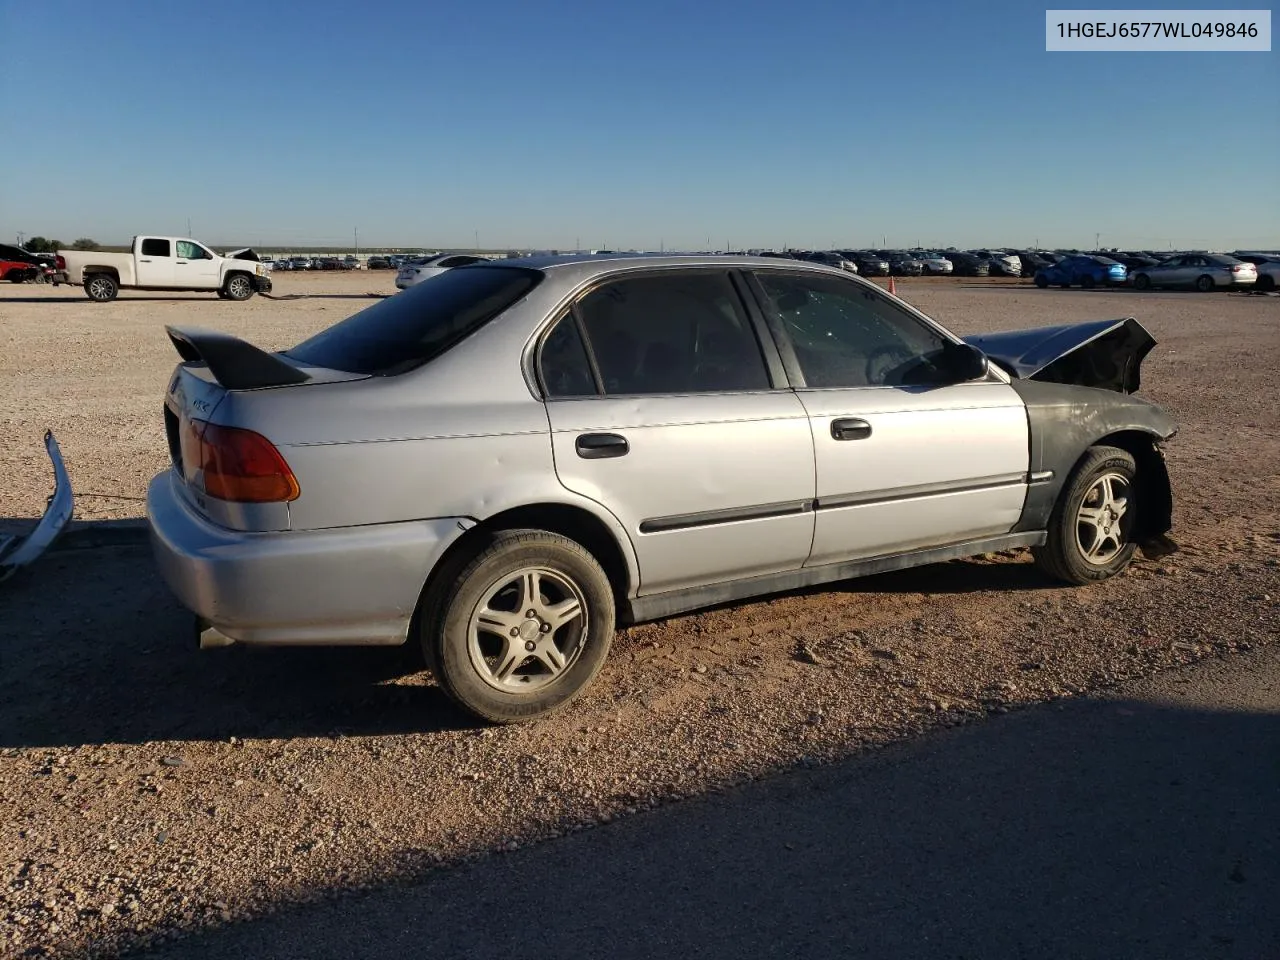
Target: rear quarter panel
78,260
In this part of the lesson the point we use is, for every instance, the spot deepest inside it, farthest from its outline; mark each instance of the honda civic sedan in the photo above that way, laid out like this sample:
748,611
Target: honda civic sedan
502,465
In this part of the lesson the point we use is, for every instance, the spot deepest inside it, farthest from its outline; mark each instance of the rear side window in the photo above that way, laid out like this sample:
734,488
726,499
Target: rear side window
414,327
566,370
676,333
155,247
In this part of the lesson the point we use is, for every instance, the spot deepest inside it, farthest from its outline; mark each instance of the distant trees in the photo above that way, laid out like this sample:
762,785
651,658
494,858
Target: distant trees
85,243
40,245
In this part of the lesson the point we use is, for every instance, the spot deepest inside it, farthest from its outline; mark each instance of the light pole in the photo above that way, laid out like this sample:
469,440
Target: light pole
355,232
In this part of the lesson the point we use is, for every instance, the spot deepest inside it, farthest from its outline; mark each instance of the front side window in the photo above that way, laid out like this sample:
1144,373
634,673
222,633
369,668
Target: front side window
155,247
676,333
845,335
192,251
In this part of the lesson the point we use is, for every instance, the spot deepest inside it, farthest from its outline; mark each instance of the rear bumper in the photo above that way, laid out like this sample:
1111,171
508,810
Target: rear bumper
344,586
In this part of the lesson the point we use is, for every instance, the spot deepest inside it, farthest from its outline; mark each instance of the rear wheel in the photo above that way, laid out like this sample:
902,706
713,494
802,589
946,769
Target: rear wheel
1141,282
239,287
1087,281
1204,283
101,287
1041,281
1090,535
1266,283
522,628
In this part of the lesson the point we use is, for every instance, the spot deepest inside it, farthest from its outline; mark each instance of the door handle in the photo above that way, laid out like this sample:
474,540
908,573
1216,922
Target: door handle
850,428
182,261
597,446
144,261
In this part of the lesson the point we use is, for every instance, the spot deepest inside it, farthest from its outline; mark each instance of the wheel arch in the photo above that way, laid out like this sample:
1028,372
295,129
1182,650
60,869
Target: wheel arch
112,272
603,538
1155,489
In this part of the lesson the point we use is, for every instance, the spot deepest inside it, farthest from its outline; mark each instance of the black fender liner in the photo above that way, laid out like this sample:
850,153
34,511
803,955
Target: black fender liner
1066,420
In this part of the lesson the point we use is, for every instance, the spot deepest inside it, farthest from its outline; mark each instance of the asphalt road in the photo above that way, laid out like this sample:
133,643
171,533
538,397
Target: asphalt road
1144,823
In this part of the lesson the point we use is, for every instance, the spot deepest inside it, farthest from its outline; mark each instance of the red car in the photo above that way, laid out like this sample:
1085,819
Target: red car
18,265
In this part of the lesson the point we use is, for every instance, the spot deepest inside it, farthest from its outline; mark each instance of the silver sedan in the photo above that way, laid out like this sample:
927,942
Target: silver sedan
414,271
1201,271
503,464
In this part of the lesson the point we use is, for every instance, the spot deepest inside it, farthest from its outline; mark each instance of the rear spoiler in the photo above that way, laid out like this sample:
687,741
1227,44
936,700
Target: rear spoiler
235,364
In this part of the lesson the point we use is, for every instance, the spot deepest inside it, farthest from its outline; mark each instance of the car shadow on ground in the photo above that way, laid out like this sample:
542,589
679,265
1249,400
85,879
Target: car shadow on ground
94,649
1136,827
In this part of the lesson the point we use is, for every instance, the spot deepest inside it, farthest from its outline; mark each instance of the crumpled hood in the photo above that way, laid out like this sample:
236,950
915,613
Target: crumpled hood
1099,353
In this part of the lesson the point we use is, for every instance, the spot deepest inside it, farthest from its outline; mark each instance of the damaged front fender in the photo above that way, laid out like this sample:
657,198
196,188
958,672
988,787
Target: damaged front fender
18,552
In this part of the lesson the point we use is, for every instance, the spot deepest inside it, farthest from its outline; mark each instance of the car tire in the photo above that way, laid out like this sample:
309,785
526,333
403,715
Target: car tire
101,287
1041,281
492,658
1087,282
1141,281
238,287
1087,541
1204,283
1266,283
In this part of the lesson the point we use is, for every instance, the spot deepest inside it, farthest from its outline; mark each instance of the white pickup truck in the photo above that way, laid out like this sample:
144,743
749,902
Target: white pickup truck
164,263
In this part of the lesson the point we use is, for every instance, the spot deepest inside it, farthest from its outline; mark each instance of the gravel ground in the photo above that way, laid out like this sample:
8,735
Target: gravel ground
152,790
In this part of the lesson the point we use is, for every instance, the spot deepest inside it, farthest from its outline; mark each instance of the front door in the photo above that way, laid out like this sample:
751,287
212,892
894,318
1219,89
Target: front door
155,262
195,268
663,410
904,460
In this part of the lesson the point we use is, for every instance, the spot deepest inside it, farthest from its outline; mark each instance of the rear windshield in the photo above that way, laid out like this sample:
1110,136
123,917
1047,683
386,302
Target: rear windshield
411,328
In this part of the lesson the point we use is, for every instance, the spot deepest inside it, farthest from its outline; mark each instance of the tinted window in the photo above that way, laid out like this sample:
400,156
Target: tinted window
680,333
566,371
846,335
155,247
413,327
192,251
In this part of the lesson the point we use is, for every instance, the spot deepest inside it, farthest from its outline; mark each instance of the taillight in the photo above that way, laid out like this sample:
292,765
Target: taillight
61,262
237,464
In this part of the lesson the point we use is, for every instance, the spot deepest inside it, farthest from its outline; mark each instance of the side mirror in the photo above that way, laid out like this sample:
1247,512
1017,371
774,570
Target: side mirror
962,362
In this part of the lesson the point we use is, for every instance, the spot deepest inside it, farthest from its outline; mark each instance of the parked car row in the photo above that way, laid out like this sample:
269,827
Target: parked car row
1142,270
348,262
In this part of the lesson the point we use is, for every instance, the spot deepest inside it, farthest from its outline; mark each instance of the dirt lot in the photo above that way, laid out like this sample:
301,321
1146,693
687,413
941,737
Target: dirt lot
151,789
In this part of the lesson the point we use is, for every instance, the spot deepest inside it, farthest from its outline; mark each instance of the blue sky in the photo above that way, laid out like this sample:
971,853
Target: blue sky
680,124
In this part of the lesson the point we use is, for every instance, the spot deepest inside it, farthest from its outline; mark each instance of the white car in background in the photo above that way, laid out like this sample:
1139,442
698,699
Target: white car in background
424,268
934,263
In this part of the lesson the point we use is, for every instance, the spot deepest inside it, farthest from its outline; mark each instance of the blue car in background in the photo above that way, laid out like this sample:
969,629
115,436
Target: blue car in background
1084,271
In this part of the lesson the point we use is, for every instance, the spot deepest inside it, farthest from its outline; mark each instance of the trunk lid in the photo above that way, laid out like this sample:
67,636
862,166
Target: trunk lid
1100,353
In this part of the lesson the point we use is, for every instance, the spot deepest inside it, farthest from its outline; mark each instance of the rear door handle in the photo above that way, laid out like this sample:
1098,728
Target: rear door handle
597,446
850,428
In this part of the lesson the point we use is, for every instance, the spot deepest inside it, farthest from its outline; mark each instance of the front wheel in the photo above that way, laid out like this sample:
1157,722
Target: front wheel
239,287
1204,283
1041,281
1266,283
520,630
1142,282
1090,535
100,287
1087,281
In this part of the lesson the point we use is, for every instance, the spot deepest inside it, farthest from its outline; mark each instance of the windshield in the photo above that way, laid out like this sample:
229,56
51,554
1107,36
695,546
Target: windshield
411,328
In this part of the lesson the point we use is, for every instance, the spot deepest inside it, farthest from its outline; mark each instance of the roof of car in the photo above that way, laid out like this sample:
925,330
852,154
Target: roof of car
585,261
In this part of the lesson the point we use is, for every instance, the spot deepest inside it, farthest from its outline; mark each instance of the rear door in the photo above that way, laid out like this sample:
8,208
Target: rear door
668,408
904,461
155,262
195,267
